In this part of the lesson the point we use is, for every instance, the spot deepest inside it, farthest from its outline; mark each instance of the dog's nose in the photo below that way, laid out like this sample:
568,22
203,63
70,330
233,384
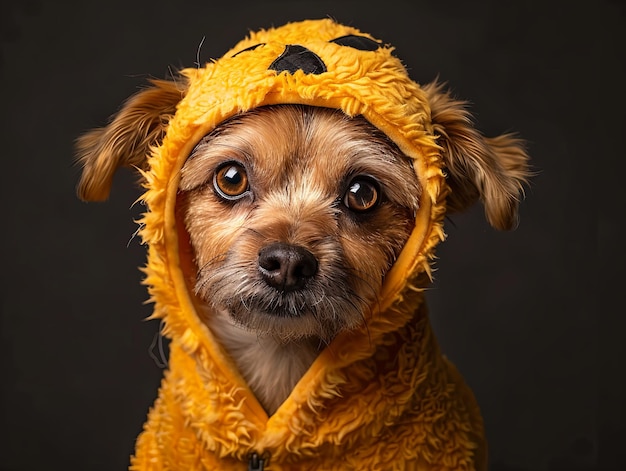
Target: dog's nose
286,267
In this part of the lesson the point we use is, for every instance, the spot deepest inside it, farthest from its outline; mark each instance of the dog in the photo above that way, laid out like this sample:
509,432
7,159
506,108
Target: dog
278,257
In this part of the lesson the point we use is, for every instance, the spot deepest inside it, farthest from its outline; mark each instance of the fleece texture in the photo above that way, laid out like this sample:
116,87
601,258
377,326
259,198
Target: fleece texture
381,397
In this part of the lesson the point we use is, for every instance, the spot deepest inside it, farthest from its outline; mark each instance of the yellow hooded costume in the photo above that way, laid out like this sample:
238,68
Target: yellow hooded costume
381,397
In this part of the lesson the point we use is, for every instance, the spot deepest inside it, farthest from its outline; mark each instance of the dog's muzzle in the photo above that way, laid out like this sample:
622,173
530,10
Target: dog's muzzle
286,267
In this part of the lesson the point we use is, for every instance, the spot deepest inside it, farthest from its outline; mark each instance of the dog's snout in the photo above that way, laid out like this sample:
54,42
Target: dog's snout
286,267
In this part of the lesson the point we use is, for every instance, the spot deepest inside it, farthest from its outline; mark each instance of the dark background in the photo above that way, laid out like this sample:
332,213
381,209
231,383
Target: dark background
527,316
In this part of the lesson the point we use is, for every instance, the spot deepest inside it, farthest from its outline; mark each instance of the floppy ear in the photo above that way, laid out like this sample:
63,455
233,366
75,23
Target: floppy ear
493,170
126,140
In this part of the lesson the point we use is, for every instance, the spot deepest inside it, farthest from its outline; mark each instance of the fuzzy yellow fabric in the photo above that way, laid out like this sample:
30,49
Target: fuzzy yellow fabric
378,398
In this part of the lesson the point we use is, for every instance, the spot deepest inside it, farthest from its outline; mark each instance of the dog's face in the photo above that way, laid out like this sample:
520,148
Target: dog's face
294,215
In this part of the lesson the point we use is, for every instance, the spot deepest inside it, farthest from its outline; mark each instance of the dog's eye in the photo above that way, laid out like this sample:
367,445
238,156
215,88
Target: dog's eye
231,181
362,195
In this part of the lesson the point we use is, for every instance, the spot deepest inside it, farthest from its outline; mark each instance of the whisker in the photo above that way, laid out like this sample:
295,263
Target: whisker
157,340
198,52
217,258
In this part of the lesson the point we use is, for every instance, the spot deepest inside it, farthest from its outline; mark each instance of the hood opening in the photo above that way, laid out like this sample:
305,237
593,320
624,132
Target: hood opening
411,261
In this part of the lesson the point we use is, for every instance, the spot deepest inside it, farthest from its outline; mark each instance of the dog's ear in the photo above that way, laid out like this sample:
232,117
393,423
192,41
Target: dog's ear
126,140
493,170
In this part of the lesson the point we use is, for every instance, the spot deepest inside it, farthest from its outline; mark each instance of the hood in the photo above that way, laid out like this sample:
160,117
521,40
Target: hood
356,74
339,402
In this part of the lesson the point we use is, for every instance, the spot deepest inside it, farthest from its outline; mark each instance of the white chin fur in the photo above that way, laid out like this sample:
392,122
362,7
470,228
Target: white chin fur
271,366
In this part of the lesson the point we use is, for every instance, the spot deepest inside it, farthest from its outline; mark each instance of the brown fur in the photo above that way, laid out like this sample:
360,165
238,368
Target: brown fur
299,161
493,170
126,141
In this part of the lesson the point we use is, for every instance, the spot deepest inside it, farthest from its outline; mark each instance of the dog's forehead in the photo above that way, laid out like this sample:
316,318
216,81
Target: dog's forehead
293,139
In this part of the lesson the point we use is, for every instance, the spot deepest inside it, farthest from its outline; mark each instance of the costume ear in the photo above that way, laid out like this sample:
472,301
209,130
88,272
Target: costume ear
126,140
493,170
